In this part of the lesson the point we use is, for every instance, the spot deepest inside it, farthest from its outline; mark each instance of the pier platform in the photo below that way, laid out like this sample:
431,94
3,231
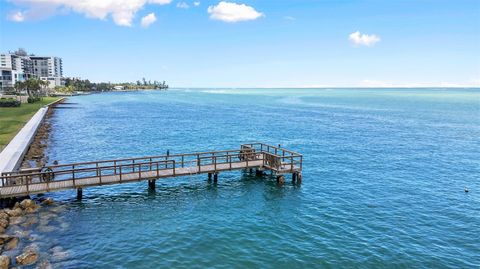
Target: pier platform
78,176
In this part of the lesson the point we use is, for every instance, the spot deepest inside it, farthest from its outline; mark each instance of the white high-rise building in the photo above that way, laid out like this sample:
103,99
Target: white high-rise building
19,67
49,69
14,68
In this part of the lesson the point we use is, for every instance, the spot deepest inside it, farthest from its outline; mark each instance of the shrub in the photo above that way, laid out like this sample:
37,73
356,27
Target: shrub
32,99
9,102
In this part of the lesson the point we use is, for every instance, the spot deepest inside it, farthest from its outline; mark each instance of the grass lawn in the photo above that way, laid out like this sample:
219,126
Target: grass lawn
12,119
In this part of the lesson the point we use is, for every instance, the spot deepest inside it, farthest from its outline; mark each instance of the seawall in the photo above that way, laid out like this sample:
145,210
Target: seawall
12,155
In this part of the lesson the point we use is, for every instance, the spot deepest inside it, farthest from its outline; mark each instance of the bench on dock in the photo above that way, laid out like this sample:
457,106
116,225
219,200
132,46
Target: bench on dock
258,156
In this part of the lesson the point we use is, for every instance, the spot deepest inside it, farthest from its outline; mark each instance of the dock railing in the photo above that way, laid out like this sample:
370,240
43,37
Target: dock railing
277,159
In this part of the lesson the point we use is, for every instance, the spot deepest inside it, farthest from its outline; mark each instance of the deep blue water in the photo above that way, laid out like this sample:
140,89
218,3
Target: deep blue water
383,180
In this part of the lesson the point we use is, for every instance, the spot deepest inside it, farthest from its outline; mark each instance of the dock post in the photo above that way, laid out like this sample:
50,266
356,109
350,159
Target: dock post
258,173
299,177
280,179
294,177
79,193
151,184
250,170
215,178
209,177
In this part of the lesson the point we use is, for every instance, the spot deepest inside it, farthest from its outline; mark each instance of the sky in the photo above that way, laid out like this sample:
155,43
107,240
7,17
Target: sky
246,43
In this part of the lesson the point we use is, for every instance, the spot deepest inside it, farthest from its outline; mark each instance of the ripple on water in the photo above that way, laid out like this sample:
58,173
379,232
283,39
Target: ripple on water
383,183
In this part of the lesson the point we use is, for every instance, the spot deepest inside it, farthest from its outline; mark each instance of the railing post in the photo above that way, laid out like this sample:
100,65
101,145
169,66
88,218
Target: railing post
173,168
291,163
28,191
230,161
158,173
215,163
247,160
182,161
198,162
120,167
99,174
96,164
133,166
139,171
115,167
150,164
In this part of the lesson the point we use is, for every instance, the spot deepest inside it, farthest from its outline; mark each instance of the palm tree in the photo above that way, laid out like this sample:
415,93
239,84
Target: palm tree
19,86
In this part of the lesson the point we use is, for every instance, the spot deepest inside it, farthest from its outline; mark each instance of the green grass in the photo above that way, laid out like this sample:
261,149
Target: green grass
12,119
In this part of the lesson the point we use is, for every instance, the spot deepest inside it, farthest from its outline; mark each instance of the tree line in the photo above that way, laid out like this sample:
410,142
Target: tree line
85,85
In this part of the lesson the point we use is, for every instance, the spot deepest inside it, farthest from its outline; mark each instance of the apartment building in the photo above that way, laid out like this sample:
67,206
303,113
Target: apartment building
19,67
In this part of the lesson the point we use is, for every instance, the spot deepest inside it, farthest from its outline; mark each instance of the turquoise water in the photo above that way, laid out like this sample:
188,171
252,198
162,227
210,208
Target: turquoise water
383,180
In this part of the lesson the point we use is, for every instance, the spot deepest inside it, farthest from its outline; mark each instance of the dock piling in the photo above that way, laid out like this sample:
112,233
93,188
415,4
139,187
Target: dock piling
79,193
215,178
151,184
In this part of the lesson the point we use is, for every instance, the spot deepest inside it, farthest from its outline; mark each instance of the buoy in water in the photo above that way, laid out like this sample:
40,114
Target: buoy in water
466,189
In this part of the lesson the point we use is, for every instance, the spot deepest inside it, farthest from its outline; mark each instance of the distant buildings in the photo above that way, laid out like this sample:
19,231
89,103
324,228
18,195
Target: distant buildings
18,66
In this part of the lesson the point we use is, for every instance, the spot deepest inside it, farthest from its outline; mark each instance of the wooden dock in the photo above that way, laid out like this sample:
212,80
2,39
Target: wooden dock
257,156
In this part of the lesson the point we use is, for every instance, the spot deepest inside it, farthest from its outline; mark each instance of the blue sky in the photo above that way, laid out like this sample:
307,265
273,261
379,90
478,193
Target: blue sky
301,43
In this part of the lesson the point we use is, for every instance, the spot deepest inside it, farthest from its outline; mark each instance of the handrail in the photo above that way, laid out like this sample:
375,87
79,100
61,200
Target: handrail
275,158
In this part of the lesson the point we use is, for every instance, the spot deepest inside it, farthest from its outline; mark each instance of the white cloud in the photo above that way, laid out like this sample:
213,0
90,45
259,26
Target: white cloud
182,5
196,3
359,39
289,18
232,12
17,16
147,20
121,11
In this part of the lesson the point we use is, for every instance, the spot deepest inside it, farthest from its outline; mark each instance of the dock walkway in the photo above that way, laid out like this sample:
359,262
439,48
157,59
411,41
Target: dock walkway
258,156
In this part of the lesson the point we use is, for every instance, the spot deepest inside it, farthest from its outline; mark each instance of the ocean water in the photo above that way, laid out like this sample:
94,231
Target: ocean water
383,180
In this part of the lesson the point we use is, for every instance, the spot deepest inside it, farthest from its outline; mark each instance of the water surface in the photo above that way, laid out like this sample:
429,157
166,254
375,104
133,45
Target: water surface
384,177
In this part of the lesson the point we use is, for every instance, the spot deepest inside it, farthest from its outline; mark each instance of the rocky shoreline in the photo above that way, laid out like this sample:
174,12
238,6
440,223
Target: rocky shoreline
35,156
17,230
21,216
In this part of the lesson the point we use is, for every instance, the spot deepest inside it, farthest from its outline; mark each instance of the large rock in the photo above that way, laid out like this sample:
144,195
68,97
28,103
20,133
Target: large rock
45,264
3,215
32,209
3,223
17,205
48,201
4,238
29,222
16,220
14,212
30,256
59,254
27,203
13,243
29,206
4,262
